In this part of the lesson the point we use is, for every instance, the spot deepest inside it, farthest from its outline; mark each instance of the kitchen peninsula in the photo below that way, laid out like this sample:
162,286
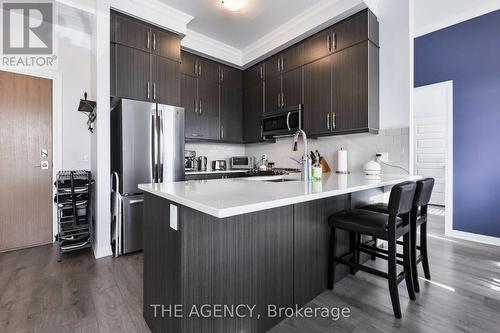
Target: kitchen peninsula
243,241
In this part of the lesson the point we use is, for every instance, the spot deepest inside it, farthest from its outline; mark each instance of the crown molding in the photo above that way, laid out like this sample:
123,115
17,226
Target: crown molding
212,48
309,22
462,17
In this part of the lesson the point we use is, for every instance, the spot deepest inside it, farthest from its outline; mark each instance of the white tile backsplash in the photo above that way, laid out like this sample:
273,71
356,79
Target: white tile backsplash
361,148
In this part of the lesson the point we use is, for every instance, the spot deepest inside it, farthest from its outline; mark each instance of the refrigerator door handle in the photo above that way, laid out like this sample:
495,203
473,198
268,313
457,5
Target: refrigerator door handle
153,146
160,145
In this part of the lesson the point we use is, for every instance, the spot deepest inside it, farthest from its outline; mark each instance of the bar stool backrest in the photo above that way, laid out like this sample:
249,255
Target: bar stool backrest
423,192
401,198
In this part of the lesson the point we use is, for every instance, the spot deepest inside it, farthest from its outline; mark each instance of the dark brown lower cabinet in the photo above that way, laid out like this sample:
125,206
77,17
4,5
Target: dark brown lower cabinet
133,73
166,78
253,108
231,114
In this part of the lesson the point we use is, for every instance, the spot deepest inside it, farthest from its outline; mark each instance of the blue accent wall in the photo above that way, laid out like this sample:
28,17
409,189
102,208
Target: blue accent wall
469,54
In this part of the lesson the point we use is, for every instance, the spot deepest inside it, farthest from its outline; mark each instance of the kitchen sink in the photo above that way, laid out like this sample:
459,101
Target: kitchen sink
281,180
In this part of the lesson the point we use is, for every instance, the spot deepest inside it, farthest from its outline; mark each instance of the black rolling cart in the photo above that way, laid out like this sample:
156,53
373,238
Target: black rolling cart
73,200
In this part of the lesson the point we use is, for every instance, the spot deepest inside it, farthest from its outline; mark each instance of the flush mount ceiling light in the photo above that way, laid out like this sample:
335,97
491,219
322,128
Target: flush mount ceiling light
233,5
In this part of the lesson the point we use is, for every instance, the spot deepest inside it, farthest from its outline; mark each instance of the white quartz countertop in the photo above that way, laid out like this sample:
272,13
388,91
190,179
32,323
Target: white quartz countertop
214,172
229,197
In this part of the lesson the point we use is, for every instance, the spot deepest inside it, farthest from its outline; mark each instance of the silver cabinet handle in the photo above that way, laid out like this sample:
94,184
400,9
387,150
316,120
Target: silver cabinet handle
282,64
222,75
261,72
154,40
154,91
334,120
148,40
328,42
261,131
160,146
334,41
279,103
328,127
196,67
222,131
199,69
147,90
288,121
199,106
195,106
282,99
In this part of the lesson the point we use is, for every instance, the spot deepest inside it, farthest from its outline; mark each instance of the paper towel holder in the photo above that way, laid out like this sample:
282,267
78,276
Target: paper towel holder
346,172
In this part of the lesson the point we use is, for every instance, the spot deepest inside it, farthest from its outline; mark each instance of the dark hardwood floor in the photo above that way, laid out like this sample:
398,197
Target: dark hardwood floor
81,294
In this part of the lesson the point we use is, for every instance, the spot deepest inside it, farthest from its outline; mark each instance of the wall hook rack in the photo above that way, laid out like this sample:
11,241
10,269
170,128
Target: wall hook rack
89,108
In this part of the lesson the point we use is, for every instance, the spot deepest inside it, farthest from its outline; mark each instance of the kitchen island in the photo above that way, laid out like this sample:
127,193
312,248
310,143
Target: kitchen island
219,254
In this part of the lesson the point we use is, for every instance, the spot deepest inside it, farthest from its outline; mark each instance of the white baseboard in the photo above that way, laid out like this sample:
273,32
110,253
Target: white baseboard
102,251
473,237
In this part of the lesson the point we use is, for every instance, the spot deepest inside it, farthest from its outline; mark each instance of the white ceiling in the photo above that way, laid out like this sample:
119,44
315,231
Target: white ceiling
431,15
239,29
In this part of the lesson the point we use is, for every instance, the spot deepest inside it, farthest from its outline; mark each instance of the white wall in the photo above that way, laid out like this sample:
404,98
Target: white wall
396,51
432,15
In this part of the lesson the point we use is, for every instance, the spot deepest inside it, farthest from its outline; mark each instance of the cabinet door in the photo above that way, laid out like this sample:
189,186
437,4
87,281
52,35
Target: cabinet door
293,58
188,63
231,114
208,108
253,108
272,67
166,81
253,76
318,96
189,100
133,73
351,31
318,46
350,88
231,77
292,88
273,94
130,32
166,44
208,70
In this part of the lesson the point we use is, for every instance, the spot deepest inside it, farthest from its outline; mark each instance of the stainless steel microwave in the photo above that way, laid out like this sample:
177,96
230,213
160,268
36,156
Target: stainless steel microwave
283,122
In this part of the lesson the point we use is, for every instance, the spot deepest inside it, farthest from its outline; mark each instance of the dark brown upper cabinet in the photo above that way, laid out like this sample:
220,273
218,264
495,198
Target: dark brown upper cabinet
189,64
253,108
200,67
189,100
130,32
231,114
318,96
291,88
355,29
166,80
133,73
230,77
166,44
253,76
145,61
284,61
273,94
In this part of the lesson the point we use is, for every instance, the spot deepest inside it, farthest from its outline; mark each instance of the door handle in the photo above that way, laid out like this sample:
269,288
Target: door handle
196,67
328,127
288,121
154,40
136,201
334,120
148,40
199,107
44,165
147,90
334,41
328,42
160,146
154,91
282,99
44,153
282,64
195,106
222,131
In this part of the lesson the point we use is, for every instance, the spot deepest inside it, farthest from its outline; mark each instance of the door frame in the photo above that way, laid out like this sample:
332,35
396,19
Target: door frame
449,153
56,78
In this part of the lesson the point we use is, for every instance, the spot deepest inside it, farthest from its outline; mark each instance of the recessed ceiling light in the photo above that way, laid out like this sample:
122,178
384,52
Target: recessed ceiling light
233,5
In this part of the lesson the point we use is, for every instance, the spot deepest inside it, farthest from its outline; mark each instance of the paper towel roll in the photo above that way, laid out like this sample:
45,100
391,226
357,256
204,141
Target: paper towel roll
342,161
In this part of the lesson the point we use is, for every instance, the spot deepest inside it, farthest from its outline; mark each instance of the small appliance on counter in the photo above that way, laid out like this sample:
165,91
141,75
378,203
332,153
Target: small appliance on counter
242,163
372,168
202,163
219,165
190,160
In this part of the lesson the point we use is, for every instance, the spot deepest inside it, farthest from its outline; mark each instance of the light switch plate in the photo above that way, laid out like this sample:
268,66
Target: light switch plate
174,223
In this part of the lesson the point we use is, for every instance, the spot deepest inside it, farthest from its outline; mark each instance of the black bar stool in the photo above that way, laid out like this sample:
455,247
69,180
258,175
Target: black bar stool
418,219
389,227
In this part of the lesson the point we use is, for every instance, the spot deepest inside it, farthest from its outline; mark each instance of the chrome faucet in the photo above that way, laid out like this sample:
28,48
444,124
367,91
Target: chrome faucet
305,162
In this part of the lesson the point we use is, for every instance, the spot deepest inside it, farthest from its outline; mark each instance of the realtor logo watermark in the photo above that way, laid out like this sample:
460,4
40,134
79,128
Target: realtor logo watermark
28,34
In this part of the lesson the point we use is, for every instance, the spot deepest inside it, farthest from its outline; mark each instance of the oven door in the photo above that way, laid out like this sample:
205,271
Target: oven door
283,122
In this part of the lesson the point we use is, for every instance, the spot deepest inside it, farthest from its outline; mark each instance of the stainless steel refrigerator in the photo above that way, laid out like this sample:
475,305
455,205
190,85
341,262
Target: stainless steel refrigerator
147,146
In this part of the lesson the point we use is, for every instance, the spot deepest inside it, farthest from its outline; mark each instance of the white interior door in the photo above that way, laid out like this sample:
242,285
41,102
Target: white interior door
431,136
